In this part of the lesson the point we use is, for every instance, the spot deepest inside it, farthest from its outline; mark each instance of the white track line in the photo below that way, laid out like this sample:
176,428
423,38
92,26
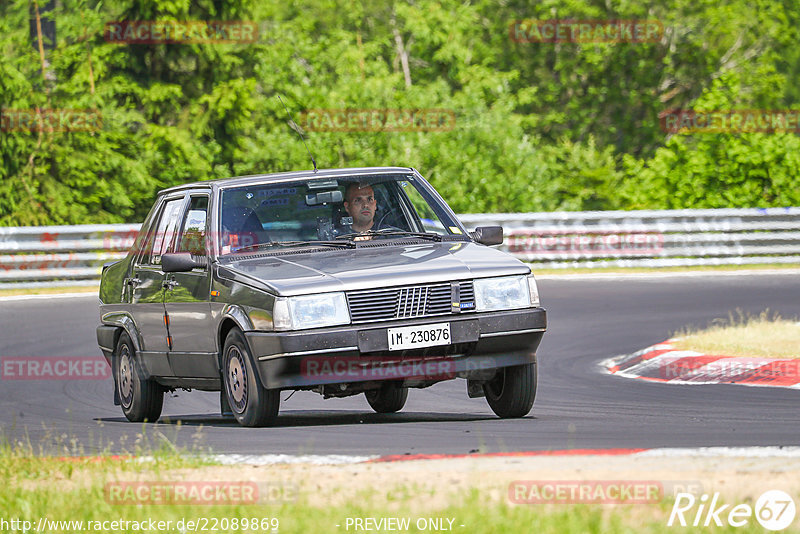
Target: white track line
724,452
342,459
272,459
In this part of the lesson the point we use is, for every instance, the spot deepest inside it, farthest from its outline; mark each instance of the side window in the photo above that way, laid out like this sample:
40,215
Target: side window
166,230
388,213
193,229
427,217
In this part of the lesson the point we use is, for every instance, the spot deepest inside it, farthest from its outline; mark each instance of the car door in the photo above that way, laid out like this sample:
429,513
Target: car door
192,349
147,287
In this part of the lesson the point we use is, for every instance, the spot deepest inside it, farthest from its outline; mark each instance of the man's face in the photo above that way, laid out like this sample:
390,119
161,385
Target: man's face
360,205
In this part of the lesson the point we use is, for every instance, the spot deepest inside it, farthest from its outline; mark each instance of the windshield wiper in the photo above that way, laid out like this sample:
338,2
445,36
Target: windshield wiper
259,246
391,232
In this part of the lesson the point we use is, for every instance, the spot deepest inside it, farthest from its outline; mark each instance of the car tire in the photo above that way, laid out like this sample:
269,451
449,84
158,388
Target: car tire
389,398
141,398
512,391
251,403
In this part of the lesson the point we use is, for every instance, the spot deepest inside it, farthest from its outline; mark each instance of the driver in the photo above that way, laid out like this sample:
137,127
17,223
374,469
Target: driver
360,204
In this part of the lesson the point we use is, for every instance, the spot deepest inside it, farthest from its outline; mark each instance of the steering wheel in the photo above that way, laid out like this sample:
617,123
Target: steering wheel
384,217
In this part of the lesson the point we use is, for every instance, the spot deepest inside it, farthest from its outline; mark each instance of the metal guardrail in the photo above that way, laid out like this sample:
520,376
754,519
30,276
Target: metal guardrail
650,238
74,255
32,256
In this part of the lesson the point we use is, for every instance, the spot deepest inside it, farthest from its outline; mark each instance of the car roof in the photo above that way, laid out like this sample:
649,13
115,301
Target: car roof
282,176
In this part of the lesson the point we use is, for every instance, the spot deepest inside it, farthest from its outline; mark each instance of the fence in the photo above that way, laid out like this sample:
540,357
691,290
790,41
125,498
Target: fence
73,255
650,238
60,255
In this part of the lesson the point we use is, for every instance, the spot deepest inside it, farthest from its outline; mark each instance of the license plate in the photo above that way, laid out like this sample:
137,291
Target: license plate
414,337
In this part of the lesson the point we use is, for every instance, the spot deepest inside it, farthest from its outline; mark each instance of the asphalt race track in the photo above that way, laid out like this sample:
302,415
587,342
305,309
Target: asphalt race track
577,407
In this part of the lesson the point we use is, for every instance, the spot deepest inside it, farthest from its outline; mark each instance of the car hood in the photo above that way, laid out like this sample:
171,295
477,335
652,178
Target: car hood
371,266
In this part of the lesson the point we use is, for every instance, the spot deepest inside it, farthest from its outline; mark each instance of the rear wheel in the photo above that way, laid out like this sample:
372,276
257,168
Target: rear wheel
142,399
512,391
389,398
251,403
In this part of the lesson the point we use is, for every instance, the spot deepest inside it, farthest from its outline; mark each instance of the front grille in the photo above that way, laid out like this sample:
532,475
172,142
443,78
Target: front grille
407,302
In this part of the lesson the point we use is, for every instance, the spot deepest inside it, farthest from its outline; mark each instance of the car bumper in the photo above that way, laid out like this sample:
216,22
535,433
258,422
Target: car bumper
480,343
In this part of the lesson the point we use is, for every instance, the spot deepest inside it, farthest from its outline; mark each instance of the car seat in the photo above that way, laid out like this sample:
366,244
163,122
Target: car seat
242,227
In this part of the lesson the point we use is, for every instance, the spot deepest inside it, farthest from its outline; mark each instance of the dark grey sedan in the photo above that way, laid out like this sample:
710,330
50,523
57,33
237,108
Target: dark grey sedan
341,281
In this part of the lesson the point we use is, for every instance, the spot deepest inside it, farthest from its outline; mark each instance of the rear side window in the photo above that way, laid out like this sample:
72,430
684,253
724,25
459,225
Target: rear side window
193,229
164,236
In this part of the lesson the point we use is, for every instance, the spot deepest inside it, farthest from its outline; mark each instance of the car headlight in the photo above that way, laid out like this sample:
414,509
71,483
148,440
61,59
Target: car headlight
310,311
504,293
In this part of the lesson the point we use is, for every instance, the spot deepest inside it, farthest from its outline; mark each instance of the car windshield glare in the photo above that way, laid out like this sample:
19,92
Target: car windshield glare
317,210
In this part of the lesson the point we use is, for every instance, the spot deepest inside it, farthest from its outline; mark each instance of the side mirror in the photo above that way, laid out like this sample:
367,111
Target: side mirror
488,235
179,262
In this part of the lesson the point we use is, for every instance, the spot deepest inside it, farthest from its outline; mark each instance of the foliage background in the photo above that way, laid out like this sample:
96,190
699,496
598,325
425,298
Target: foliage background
539,126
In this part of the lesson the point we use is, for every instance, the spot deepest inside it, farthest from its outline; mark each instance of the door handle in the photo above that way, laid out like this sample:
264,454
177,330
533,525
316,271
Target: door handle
133,282
170,284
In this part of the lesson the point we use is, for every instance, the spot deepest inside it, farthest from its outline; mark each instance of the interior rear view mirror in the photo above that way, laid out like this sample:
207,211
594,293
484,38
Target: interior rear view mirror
324,197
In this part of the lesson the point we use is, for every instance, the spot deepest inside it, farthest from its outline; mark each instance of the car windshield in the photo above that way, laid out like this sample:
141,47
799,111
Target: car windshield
330,212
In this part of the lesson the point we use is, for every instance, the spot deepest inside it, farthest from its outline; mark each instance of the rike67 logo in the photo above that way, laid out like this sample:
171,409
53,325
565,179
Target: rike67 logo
774,510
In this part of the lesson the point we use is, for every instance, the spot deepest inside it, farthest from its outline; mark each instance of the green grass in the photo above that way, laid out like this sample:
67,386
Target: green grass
86,501
58,489
765,335
58,454
76,489
49,290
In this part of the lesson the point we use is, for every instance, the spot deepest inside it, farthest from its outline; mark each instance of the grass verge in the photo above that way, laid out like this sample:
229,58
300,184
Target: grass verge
764,336
84,492
466,495
49,290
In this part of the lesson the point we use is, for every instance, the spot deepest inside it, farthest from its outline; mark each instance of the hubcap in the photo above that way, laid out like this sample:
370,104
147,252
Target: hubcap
237,379
125,377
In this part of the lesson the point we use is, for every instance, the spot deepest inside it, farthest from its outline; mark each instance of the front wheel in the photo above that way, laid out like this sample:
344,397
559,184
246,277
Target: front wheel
389,398
512,391
142,399
251,403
